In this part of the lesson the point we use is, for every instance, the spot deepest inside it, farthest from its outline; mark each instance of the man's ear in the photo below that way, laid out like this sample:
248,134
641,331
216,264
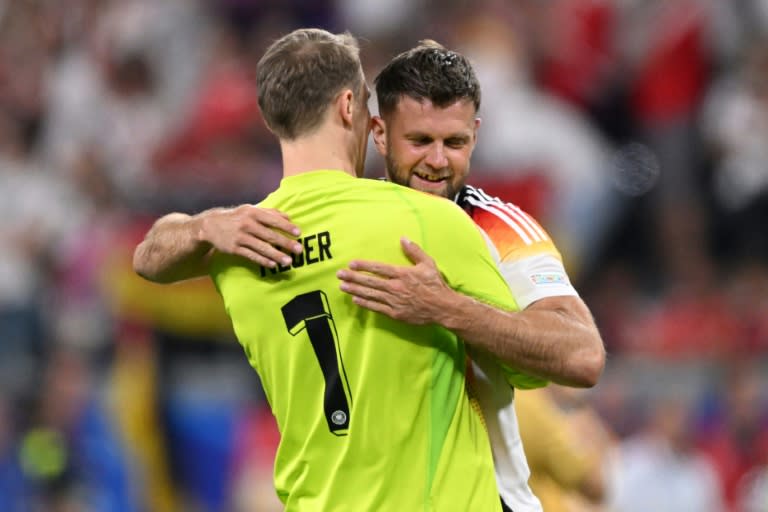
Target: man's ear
379,131
346,106
478,122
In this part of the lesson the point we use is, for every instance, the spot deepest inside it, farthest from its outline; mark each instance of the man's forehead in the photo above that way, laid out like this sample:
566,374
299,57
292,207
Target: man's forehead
425,105
422,112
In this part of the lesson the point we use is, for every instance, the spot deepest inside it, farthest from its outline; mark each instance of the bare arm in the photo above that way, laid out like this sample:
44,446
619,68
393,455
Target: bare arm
178,246
554,338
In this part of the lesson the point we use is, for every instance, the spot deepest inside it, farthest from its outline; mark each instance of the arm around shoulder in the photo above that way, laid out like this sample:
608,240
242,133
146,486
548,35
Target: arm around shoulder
173,250
461,289
178,246
554,338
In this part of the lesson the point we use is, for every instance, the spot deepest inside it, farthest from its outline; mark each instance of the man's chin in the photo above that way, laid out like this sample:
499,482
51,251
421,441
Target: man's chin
435,189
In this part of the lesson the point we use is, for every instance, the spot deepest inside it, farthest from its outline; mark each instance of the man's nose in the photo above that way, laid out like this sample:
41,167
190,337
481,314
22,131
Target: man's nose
436,156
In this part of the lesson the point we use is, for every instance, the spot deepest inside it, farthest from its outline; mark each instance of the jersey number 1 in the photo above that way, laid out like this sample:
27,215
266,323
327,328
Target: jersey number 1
311,311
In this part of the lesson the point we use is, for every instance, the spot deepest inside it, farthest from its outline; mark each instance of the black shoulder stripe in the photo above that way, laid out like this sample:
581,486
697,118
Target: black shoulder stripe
468,194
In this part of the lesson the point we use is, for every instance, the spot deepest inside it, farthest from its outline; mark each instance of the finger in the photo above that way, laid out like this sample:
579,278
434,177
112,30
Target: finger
415,253
255,257
275,219
364,292
277,212
275,238
374,267
363,279
373,306
264,250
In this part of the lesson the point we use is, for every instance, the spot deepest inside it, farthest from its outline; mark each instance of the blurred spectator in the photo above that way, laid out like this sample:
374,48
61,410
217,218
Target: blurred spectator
567,446
221,149
36,211
753,493
574,49
27,38
526,132
665,48
122,87
748,302
256,445
735,122
70,456
248,15
615,298
80,317
666,60
735,436
638,69
691,320
13,489
378,19
659,468
167,339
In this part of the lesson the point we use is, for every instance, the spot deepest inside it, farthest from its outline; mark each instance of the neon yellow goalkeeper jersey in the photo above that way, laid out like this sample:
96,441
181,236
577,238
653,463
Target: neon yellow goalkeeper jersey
373,413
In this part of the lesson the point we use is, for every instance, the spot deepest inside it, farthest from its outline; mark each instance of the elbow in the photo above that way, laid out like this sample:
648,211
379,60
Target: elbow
140,263
587,367
594,366
138,260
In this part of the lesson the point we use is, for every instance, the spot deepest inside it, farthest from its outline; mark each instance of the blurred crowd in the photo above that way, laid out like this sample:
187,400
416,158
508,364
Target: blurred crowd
635,131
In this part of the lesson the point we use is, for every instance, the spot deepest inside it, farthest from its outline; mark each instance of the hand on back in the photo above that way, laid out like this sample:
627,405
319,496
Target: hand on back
262,235
411,294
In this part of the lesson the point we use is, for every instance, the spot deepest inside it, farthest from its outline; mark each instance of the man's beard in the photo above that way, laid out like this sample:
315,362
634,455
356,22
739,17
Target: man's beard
404,179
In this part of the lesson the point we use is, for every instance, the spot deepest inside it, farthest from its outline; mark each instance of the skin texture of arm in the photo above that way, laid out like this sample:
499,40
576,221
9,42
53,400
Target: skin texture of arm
554,338
178,246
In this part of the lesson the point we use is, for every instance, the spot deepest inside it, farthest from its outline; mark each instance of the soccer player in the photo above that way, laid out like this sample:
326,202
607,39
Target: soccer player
427,129
373,413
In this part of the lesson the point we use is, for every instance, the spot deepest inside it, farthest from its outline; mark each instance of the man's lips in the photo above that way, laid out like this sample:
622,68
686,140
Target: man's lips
430,177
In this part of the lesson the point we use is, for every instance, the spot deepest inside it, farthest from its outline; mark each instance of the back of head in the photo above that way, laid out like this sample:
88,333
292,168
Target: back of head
427,72
299,76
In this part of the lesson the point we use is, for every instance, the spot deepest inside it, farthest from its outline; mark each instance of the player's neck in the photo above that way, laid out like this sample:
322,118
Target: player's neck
315,152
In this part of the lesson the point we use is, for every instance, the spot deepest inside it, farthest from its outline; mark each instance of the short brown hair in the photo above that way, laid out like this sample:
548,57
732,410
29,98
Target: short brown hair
299,76
428,71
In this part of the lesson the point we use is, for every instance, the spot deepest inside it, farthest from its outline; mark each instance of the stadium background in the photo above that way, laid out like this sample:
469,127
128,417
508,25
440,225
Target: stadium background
636,131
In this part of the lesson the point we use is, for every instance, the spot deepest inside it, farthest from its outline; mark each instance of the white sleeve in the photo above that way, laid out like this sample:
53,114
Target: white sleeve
536,277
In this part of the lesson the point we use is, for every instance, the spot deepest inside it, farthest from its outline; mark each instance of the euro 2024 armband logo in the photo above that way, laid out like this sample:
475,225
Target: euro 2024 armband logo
549,278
